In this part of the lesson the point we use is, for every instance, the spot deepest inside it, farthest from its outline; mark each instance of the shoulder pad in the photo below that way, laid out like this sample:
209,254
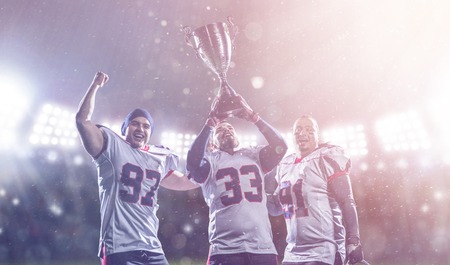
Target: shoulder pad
329,149
335,159
160,149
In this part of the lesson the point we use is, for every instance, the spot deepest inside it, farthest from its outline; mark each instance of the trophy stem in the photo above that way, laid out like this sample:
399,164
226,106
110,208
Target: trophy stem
225,88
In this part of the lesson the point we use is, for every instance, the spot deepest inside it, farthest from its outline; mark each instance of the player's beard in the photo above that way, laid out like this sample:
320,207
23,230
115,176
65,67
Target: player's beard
229,142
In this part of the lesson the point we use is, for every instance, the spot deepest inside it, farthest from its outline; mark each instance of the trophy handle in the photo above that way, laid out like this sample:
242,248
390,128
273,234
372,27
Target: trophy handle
187,38
234,28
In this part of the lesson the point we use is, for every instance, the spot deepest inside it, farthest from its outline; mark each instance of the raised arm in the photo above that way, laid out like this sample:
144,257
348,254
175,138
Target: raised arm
271,154
196,163
91,135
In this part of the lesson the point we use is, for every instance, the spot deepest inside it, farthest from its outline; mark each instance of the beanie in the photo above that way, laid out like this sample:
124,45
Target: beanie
134,114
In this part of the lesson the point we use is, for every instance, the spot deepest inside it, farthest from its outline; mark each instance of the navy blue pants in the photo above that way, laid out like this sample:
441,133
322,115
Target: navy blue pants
138,257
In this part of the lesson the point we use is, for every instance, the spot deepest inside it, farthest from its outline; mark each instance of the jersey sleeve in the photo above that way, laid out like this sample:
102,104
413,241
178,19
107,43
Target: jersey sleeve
110,139
334,162
171,159
171,163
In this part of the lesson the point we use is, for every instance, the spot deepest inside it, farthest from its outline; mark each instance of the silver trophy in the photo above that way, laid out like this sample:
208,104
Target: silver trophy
213,43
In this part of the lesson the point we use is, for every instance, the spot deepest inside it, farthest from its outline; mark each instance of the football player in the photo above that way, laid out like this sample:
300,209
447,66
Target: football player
232,182
129,174
314,193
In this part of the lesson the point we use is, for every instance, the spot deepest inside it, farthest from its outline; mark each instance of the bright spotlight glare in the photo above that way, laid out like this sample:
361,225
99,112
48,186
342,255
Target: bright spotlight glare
7,139
351,138
179,142
14,97
52,125
403,132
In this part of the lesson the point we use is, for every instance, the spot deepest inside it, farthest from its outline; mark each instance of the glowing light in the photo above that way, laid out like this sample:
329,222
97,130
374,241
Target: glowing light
54,126
425,208
438,195
15,201
187,228
178,142
14,104
351,138
56,209
380,165
248,140
257,82
402,132
78,160
402,163
364,166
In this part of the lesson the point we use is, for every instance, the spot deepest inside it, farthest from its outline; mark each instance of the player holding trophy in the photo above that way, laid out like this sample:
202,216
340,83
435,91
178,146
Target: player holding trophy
232,178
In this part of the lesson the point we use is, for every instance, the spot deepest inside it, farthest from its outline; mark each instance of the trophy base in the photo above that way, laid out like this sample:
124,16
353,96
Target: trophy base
228,106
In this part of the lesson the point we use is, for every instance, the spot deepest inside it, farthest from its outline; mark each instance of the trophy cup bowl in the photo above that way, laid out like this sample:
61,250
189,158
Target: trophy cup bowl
213,43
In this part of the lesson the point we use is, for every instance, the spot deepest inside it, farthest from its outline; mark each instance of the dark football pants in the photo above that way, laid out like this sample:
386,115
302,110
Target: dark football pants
138,257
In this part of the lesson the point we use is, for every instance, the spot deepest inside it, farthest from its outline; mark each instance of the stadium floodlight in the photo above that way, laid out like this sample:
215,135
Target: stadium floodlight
181,142
54,126
248,140
178,142
352,138
402,132
14,105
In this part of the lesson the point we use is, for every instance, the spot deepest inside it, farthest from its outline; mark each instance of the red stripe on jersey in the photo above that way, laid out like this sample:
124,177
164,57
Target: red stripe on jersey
298,160
145,148
169,173
337,174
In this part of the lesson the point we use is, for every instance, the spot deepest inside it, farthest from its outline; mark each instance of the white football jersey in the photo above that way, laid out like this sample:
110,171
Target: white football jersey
234,192
128,180
313,218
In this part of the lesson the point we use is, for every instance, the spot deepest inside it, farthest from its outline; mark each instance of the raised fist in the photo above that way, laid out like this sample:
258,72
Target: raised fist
100,79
